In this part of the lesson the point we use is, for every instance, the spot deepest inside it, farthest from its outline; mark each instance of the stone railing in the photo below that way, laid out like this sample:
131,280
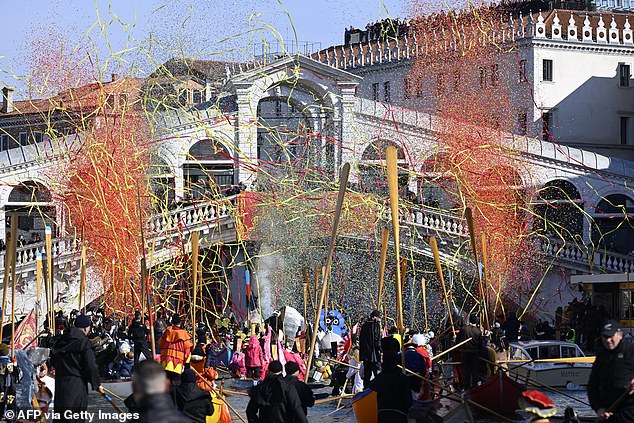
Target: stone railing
197,217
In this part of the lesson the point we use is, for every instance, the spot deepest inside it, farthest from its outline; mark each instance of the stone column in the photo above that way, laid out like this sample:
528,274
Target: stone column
346,133
246,139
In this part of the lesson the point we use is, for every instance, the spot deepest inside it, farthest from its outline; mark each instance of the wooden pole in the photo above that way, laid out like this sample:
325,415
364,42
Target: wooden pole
38,287
307,282
434,249
194,278
13,286
343,183
9,263
82,276
485,268
424,292
305,285
385,234
316,282
49,280
392,181
469,217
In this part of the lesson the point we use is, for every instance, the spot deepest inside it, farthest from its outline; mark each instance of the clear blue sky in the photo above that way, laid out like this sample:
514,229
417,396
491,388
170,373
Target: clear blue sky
154,30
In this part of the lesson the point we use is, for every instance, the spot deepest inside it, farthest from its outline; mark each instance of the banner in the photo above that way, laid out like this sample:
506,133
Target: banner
26,332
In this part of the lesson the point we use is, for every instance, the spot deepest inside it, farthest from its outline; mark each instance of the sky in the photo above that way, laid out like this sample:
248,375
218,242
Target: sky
139,34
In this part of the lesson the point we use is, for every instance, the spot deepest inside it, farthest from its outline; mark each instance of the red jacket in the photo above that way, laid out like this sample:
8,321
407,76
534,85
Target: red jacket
253,355
176,347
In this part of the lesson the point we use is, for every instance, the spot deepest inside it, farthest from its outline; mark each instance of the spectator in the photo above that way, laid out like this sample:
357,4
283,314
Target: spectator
306,397
194,402
370,347
470,351
394,397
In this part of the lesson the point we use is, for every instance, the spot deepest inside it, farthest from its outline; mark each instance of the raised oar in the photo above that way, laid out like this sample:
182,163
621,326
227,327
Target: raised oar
343,183
392,182
436,357
385,234
218,395
469,217
112,403
423,290
434,250
9,263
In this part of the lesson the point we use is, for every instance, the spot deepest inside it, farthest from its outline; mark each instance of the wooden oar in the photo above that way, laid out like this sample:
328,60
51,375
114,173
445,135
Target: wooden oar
321,401
392,182
108,391
112,403
588,360
424,293
436,357
343,183
469,217
616,403
385,233
9,256
48,233
434,249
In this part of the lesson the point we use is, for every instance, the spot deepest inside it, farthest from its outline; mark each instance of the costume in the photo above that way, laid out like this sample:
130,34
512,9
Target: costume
176,345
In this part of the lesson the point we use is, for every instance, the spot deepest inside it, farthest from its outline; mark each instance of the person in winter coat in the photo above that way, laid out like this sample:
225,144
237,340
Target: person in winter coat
150,398
10,376
253,358
470,351
123,365
176,346
394,396
138,333
370,346
74,361
274,400
205,376
416,363
511,327
304,392
194,402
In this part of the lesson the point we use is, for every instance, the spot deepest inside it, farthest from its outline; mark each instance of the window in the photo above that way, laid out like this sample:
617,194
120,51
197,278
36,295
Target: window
548,70
521,77
522,123
483,77
182,97
387,97
123,100
278,108
419,90
37,136
495,77
625,129
624,75
456,80
547,125
440,83
198,96
110,99
4,142
406,89
375,91
23,138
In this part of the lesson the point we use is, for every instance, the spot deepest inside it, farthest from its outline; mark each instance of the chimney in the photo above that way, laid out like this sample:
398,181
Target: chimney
115,76
7,100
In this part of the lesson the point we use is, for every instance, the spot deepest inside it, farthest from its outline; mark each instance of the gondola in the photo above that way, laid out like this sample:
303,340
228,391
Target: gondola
499,393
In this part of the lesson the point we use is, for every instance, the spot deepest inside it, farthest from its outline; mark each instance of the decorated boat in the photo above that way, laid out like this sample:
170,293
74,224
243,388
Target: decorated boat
551,363
499,394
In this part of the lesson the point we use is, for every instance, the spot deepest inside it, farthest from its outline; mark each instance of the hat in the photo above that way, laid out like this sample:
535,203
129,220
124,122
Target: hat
537,403
107,320
197,353
291,367
610,327
420,339
275,367
188,376
4,349
375,313
124,348
176,320
82,321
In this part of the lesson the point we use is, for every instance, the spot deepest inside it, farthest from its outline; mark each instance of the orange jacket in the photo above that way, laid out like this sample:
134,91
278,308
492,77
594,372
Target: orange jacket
176,347
202,374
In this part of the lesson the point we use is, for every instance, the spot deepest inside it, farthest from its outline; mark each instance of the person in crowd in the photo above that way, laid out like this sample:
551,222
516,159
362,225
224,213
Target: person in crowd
205,375
75,366
306,397
511,327
194,402
611,383
394,396
10,375
370,347
470,351
150,398
354,372
160,326
176,346
415,363
138,333
253,358
123,364
274,400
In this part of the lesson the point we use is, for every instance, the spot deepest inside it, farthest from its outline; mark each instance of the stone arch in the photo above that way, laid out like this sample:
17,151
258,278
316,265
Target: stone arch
32,201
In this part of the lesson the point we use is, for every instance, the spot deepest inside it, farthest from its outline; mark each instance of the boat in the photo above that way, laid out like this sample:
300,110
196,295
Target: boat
122,388
550,363
499,394
365,407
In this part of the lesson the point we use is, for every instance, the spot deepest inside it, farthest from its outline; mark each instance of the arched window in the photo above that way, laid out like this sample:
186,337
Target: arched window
558,210
208,171
32,202
372,172
613,229
162,182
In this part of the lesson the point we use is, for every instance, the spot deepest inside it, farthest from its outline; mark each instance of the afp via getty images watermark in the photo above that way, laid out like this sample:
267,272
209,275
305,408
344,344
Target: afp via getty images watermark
88,416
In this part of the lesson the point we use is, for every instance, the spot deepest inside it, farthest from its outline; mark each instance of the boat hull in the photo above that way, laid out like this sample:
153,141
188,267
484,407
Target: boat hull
555,376
499,394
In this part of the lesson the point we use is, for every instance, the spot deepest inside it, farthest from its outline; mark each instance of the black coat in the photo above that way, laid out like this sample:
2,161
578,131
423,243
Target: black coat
74,361
370,341
194,402
611,372
160,408
306,397
274,401
138,332
511,328
394,397
474,346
